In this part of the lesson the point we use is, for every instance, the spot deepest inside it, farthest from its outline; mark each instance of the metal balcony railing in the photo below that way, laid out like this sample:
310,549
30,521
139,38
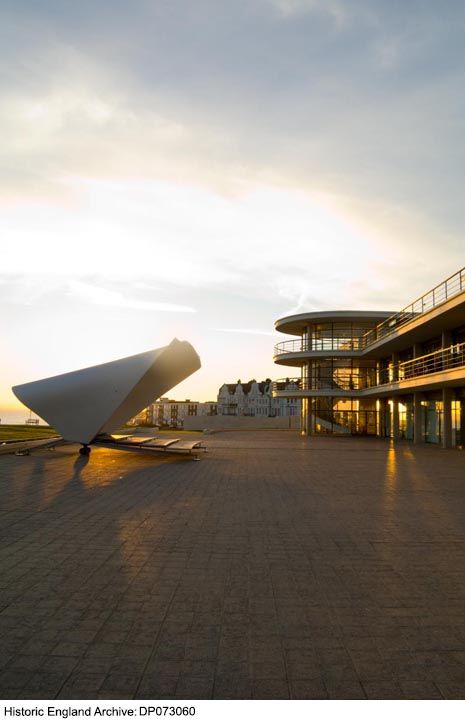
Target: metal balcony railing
301,345
447,289
290,346
340,382
289,384
436,362
442,360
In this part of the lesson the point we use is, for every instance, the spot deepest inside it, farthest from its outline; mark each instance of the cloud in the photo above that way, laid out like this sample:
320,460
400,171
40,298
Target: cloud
337,11
249,331
103,296
36,291
321,95
358,110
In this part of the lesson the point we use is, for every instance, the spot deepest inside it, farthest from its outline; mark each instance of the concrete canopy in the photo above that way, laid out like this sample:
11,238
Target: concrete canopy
85,403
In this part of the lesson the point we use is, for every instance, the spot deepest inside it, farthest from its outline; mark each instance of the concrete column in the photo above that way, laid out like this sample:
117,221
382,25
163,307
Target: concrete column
446,342
309,337
309,417
303,410
387,418
395,369
417,418
382,418
306,422
395,419
446,338
447,418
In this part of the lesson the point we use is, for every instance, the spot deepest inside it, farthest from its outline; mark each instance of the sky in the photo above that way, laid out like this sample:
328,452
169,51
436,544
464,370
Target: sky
171,168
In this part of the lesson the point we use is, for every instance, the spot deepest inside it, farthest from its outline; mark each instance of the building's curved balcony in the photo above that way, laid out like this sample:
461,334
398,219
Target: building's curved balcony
440,367
358,321
299,349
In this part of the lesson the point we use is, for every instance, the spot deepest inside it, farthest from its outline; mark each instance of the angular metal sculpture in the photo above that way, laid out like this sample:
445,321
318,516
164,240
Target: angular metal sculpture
92,401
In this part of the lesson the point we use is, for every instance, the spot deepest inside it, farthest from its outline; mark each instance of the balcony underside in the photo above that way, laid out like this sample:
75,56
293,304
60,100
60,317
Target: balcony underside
329,393
298,359
449,314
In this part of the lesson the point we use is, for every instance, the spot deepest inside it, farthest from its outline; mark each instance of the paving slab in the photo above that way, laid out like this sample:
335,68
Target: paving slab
277,567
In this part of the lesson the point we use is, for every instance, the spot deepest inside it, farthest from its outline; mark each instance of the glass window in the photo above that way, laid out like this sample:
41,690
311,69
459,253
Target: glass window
433,421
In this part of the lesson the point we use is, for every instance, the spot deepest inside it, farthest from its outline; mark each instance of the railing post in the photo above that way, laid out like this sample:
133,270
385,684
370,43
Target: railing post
401,371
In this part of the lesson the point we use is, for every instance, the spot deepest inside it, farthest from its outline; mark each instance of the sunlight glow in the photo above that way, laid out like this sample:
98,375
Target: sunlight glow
188,233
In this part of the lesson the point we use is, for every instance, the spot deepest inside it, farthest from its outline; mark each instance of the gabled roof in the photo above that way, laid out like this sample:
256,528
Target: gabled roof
247,387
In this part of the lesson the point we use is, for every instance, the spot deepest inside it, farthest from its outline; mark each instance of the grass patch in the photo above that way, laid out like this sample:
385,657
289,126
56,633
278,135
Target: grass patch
25,433
32,433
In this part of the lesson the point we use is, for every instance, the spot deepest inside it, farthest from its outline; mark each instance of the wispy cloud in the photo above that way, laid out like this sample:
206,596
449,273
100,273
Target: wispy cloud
337,11
103,296
249,331
44,291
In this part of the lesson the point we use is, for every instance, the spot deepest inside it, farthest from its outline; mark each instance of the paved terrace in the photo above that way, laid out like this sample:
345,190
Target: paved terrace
276,567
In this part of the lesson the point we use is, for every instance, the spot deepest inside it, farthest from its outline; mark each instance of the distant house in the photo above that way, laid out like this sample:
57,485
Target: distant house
254,399
234,399
171,413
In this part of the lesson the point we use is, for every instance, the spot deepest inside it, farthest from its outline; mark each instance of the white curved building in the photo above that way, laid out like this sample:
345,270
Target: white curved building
377,373
333,371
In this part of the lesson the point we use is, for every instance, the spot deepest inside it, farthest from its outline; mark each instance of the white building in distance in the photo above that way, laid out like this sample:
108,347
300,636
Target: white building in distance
166,412
255,399
234,399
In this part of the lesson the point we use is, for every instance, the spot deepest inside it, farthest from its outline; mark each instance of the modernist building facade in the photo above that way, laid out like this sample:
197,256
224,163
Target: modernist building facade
255,398
400,375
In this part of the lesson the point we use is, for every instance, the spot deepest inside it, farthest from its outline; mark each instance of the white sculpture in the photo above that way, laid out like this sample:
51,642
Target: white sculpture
92,401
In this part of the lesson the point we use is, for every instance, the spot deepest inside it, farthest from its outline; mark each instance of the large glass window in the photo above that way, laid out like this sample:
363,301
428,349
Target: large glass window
344,416
337,336
343,374
433,421
406,419
457,423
